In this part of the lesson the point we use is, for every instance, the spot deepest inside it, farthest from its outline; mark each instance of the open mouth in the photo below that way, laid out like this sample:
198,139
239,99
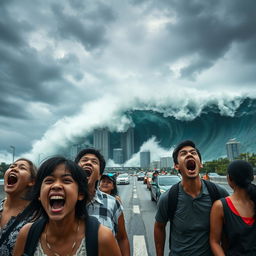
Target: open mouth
191,165
12,179
88,171
57,203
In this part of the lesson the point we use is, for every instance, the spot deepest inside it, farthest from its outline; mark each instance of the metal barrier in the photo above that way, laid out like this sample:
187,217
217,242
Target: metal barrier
223,180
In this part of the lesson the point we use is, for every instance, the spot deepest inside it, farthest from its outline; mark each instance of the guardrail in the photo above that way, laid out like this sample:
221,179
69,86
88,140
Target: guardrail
223,180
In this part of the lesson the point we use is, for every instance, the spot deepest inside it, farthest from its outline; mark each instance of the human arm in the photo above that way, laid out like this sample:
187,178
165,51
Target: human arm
122,237
216,226
107,242
159,237
21,240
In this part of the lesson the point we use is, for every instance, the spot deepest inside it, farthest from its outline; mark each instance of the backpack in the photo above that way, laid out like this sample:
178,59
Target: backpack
173,199
91,236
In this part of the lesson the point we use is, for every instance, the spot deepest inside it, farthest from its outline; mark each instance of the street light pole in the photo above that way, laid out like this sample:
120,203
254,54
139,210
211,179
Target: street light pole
13,152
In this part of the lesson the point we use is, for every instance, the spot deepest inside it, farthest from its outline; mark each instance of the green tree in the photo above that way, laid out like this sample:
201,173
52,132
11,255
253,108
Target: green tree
3,168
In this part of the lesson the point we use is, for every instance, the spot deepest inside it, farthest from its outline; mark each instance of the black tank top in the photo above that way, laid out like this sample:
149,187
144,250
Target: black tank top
241,236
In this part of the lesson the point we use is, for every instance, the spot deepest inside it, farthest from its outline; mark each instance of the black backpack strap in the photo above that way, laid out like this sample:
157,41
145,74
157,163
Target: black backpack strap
91,236
173,200
34,234
172,204
213,190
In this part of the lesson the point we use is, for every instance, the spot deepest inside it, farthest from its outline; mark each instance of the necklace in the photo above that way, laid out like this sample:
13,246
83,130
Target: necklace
50,247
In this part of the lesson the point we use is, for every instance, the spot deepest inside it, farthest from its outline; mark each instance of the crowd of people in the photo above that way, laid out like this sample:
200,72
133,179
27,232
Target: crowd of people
72,208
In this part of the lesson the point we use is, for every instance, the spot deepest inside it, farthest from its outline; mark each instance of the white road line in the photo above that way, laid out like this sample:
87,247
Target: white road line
136,209
135,196
134,190
139,246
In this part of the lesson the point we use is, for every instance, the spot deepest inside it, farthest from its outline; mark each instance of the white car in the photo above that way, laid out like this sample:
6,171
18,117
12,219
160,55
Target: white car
123,179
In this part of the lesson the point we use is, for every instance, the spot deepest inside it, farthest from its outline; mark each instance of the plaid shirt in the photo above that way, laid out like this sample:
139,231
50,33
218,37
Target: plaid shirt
106,209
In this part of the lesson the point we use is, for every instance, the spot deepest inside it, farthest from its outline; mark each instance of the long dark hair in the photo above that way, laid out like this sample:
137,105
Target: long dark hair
77,173
241,172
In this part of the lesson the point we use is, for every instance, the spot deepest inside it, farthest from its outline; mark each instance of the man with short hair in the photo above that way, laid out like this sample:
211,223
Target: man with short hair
190,224
104,207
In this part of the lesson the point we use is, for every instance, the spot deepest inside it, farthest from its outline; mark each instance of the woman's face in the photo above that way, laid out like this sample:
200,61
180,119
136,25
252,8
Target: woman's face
59,194
106,185
17,179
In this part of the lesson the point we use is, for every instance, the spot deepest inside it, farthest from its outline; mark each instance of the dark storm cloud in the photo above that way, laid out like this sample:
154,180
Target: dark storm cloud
209,29
26,76
11,31
89,28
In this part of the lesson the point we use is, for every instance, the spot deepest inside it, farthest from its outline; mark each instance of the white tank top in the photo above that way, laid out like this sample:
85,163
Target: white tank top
81,251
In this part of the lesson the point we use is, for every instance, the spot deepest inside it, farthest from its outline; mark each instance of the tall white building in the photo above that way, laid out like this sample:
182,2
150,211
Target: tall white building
101,141
127,143
145,159
233,149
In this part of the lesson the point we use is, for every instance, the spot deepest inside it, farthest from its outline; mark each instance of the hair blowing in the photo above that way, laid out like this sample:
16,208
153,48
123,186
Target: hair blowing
241,172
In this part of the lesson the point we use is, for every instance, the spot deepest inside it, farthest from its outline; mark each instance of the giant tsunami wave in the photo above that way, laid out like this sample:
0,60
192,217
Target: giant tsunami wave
210,130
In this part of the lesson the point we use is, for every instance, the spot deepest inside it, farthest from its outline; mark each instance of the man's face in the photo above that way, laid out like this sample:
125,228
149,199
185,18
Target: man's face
189,163
91,164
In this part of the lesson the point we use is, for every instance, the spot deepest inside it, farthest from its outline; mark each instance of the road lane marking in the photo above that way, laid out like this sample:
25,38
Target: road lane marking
139,246
136,209
135,196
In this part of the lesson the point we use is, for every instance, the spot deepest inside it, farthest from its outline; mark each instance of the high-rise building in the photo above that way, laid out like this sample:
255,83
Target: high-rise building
166,162
233,149
145,159
127,143
75,149
101,141
118,155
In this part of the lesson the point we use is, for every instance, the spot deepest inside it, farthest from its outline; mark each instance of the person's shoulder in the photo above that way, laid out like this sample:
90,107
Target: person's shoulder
218,205
25,229
21,239
105,236
164,198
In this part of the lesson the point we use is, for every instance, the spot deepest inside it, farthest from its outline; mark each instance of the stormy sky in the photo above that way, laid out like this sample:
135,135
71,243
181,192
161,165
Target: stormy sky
66,65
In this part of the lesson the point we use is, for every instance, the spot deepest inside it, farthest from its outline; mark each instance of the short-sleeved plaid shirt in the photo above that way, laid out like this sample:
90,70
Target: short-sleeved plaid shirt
106,209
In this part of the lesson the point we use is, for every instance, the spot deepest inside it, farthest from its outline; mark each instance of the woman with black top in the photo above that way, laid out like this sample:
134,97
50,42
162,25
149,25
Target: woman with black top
234,216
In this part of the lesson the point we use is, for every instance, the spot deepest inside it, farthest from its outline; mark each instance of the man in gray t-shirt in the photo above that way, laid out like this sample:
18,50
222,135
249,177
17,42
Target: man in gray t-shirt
191,221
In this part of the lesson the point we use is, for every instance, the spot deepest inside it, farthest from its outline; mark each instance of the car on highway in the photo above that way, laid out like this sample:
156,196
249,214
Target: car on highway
140,176
213,175
161,184
123,179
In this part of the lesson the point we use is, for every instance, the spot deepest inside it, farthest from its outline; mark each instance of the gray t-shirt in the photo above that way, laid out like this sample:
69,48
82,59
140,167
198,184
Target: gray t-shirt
191,222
